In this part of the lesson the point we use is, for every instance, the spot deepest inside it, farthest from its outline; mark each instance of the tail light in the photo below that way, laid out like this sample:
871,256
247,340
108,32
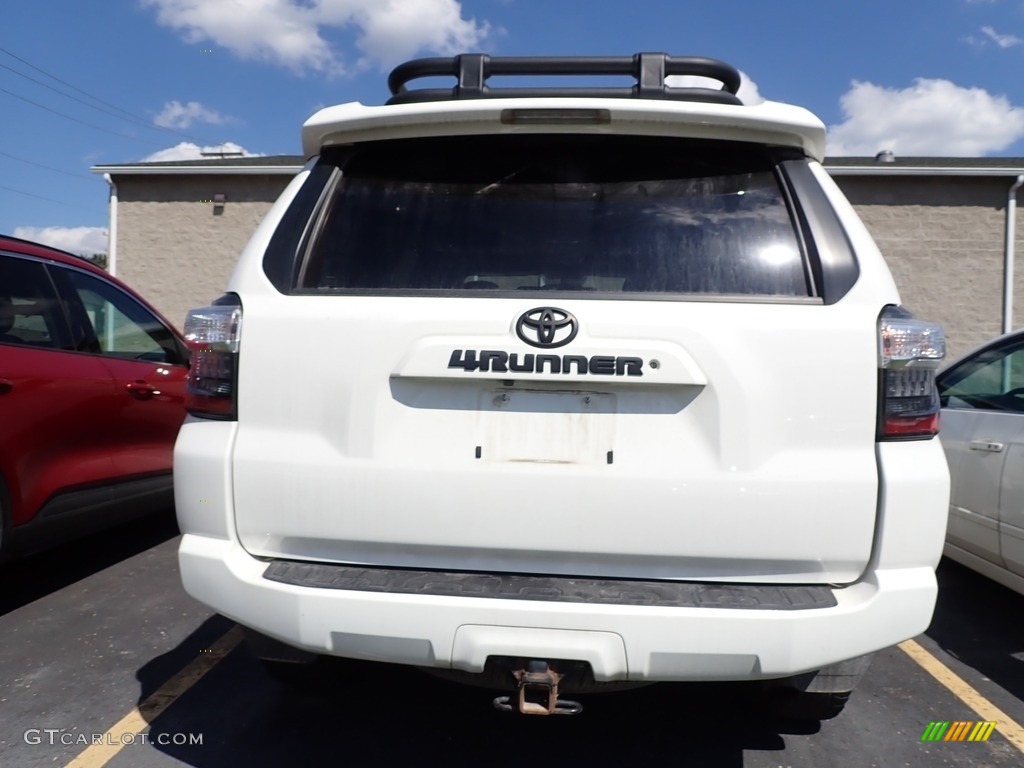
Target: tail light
910,351
213,334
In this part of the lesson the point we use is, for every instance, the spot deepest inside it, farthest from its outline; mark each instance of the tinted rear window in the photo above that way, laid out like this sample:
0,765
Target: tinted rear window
568,213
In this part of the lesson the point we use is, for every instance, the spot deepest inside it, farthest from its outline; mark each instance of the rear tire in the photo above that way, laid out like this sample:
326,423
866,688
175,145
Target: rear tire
818,695
294,674
5,522
800,705
290,666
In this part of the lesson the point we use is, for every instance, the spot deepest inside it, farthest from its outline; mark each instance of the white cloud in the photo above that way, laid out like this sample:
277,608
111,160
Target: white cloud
290,32
277,30
747,93
80,240
931,117
1003,41
394,30
178,115
186,150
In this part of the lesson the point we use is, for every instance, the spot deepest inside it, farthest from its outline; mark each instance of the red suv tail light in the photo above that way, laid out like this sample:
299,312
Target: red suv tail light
910,351
213,334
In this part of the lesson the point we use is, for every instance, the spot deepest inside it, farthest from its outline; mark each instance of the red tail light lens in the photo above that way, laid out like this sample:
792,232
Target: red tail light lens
910,351
214,335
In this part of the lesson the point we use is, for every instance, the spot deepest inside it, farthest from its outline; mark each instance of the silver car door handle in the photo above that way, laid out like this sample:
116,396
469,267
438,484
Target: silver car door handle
986,445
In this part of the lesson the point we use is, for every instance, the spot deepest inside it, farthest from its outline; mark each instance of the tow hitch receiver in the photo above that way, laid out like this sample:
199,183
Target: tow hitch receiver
538,692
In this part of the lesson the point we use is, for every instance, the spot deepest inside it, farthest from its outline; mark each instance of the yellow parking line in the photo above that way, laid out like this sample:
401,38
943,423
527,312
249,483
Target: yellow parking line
986,710
136,721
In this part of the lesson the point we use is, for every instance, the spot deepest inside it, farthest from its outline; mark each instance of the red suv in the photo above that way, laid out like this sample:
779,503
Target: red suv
92,384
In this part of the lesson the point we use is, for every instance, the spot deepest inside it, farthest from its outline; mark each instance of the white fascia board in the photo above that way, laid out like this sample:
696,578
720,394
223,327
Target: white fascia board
882,170
769,122
197,170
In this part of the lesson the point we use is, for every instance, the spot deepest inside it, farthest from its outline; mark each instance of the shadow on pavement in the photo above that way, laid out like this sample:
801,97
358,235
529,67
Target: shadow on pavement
361,713
979,622
30,578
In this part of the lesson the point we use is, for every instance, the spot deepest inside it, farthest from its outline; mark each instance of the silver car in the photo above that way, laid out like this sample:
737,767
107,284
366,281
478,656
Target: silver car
982,396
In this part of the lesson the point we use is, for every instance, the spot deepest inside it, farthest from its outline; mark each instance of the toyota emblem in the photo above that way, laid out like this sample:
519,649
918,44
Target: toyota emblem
547,327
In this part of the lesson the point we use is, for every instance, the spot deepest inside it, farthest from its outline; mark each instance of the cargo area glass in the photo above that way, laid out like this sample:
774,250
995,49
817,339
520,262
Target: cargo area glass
581,214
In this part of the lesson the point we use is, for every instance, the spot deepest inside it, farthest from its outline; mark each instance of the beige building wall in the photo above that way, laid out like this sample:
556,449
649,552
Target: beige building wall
173,244
942,237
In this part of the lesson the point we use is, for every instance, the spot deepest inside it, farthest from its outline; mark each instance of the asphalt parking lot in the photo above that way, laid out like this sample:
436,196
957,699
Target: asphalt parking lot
106,662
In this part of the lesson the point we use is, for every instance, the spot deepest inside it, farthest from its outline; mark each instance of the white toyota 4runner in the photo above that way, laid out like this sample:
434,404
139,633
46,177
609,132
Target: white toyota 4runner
556,387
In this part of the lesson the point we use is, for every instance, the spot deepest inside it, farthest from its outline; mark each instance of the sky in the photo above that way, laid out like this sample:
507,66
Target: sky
124,81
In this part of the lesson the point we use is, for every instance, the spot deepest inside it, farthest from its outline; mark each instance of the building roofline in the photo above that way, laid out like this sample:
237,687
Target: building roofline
836,166
196,170
841,170
258,164
925,166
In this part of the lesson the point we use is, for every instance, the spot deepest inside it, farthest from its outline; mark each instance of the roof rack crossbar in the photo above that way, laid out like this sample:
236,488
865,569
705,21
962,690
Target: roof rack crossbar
649,71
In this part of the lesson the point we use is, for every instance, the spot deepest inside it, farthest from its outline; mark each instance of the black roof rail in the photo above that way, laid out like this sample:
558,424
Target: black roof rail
649,71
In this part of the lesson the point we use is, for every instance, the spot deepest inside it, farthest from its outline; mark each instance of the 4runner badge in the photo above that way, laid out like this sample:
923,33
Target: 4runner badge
547,327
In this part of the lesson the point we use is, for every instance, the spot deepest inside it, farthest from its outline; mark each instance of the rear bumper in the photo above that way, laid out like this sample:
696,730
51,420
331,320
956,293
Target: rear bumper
892,601
620,642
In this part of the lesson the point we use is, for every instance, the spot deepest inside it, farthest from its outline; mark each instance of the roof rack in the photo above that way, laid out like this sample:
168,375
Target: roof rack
649,71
